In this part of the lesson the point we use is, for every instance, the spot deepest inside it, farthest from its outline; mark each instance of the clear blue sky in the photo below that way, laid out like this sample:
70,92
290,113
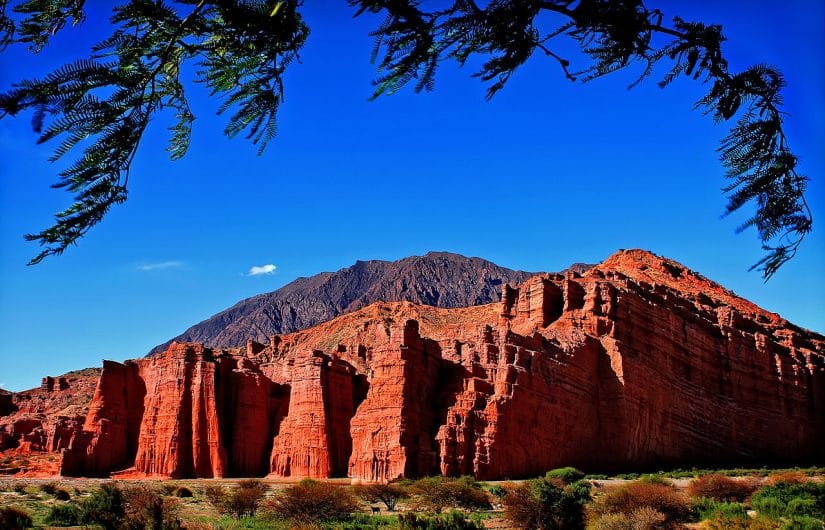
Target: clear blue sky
546,174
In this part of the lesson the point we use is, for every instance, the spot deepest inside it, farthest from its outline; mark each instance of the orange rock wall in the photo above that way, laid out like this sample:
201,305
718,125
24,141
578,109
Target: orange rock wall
392,429
638,363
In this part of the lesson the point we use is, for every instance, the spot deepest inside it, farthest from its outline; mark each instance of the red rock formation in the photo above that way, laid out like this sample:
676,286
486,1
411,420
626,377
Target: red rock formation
392,429
37,423
636,363
314,439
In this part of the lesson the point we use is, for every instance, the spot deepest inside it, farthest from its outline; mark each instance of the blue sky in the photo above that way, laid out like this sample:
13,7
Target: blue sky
546,174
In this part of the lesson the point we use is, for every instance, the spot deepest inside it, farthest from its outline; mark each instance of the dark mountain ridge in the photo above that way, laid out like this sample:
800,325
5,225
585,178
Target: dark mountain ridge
439,279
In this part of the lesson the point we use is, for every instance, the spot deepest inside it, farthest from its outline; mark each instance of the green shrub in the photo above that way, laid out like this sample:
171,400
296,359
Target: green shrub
742,522
799,507
363,521
777,500
48,488
498,491
311,502
13,518
722,488
105,507
434,494
710,508
568,475
803,523
452,520
64,515
544,504
655,478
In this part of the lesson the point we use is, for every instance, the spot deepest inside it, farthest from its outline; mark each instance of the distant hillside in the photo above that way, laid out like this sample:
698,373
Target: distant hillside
438,279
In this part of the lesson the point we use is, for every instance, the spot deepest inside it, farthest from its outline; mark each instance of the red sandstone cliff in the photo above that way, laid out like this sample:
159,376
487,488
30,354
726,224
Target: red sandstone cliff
638,362
36,424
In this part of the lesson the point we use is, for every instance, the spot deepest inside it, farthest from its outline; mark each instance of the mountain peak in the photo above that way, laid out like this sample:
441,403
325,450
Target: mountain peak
438,278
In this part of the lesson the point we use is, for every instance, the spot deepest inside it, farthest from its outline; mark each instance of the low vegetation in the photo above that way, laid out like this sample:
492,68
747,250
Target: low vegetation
789,499
630,500
387,494
12,517
245,500
721,488
547,504
435,494
311,502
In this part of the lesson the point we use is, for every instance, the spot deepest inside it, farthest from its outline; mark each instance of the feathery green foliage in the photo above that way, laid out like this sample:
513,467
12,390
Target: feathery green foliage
101,105
410,43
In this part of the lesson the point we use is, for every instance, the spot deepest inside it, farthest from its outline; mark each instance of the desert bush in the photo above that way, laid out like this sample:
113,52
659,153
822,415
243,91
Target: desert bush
13,518
388,494
498,491
182,492
453,520
611,521
215,494
48,488
708,508
62,494
787,477
244,500
105,507
741,522
722,488
363,521
145,507
64,515
782,499
630,497
168,488
803,523
568,475
802,507
644,518
312,502
434,494
547,504
20,487
655,478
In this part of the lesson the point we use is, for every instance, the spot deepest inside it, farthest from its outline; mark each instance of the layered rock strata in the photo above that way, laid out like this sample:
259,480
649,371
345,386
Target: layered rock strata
638,363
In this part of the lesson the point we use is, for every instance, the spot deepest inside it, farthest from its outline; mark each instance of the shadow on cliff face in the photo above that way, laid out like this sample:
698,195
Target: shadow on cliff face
247,398
7,406
451,377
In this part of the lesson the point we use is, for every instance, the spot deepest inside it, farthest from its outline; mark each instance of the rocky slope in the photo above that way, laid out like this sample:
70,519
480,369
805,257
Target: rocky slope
438,279
41,422
637,363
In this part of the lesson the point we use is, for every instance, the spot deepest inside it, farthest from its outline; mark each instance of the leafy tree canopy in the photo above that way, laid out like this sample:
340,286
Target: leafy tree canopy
100,105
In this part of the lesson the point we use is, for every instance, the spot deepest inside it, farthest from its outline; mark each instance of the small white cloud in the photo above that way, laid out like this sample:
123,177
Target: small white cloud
262,270
162,265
